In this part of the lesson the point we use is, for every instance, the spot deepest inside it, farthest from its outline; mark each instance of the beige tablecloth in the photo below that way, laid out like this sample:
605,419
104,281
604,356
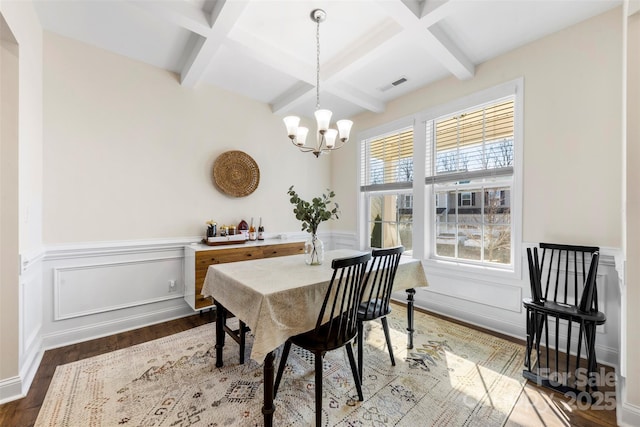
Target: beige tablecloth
281,297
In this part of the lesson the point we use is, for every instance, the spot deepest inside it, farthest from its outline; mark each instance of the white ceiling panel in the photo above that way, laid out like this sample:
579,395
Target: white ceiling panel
245,75
403,58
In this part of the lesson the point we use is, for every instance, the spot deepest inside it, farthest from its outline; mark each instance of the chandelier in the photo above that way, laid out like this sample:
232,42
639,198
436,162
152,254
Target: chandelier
325,136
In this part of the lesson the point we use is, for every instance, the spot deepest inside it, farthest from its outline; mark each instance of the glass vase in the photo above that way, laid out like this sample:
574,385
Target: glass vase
313,250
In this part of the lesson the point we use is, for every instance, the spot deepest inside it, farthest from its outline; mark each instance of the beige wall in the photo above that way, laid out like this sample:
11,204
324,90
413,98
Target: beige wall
129,152
633,207
572,132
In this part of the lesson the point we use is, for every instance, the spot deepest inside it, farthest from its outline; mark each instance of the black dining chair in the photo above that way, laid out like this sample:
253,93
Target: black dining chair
563,293
336,325
377,296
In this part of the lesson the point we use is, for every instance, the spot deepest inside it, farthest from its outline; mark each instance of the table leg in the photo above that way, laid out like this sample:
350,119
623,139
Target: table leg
268,407
220,321
410,293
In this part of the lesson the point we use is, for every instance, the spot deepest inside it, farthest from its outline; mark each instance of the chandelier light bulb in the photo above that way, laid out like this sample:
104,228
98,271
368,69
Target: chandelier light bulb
344,128
292,122
323,118
330,138
301,136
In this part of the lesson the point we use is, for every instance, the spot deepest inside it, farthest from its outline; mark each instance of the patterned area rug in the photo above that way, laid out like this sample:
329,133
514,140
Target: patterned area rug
454,376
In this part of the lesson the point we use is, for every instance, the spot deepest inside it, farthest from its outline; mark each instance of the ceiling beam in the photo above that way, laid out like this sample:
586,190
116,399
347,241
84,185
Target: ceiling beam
210,30
355,96
300,93
182,14
434,11
223,18
438,45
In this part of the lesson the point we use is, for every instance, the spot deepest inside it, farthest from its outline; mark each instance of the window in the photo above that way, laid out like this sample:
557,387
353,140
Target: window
470,157
386,183
468,209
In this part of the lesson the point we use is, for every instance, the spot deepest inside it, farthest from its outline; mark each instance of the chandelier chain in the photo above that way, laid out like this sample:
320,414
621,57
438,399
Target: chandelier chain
317,63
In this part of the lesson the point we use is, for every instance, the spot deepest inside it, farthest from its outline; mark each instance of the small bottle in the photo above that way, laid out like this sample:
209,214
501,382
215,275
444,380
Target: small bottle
243,228
252,231
260,230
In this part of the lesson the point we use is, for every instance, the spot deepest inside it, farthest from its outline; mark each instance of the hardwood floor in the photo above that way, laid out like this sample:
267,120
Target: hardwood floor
536,406
539,406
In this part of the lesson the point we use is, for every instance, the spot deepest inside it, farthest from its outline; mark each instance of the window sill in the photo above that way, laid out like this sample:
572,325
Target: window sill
458,270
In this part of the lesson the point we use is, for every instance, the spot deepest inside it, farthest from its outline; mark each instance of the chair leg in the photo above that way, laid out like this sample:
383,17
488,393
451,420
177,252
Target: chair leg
385,326
356,379
530,340
283,362
318,363
360,348
592,363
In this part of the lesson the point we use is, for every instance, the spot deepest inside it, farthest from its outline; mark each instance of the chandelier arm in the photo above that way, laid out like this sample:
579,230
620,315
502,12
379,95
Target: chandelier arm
303,148
336,147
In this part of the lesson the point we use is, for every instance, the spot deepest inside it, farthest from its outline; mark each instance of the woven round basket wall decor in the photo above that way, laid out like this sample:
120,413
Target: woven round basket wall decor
236,173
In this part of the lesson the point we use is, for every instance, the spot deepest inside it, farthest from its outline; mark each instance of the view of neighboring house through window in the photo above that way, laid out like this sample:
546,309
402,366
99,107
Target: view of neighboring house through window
471,165
386,181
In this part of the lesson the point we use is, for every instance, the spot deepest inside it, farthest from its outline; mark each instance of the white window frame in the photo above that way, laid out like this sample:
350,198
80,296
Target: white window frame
363,197
423,200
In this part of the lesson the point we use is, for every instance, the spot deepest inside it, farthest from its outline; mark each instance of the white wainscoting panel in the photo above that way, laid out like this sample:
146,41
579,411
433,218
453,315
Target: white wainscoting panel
93,290
505,297
96,288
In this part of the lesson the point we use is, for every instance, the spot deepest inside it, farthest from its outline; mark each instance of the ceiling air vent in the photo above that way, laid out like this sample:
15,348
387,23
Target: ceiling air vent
393,84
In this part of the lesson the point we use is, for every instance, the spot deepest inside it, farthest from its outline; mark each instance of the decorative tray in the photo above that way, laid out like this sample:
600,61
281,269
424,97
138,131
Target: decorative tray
224,242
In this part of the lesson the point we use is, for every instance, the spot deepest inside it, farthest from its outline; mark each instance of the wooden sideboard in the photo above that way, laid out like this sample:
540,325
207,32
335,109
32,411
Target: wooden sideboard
198,258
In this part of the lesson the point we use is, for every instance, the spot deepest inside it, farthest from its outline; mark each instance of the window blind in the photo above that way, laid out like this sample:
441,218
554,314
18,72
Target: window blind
387,161
490,123
471,144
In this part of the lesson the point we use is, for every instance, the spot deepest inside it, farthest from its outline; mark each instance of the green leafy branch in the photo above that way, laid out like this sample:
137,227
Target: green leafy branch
312,214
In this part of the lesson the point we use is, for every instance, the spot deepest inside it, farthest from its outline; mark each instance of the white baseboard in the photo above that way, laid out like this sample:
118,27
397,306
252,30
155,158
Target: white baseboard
627,414
463,314
111,327
11,389
30,364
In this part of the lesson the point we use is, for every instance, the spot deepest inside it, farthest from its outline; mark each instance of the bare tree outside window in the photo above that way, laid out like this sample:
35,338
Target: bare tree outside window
501,154
405,170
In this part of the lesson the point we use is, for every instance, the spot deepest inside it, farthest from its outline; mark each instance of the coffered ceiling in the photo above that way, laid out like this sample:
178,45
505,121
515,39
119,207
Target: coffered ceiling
266,49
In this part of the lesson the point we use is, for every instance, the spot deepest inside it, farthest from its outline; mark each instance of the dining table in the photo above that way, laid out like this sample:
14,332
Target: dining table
280,297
